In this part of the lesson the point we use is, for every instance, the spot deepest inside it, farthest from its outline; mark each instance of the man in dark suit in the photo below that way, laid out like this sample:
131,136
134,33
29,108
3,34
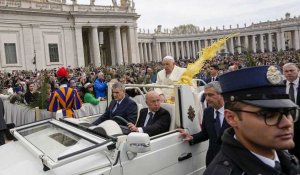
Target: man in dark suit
2,123
213,124
291,72
154,119
213,72
122,106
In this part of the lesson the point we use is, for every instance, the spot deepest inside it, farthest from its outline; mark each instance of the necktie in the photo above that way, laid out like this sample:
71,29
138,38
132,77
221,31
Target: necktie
217,123
292,92
213,79
277,167
150,118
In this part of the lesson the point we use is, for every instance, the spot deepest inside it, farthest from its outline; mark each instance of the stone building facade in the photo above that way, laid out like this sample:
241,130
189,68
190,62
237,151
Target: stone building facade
45,34
186,42
39,34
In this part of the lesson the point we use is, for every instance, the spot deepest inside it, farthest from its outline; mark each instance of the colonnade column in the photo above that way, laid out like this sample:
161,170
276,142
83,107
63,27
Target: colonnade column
239,49
225,47
188,51
173,49
231,48
177,50
261,43
142,53
246,43
79,45
270,48
124,45
199,46
136,43
296,39
182,50
150,52
205,43
278,41
118,46
159,52
193,49
168,50
112,46
96,48
132,45
253,44
282,40
146,59
156,51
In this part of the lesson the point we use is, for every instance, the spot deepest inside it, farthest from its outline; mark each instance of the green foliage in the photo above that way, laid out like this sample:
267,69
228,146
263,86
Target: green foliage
121,71
188,28
41,97
250,62
279,57
19,98
143,79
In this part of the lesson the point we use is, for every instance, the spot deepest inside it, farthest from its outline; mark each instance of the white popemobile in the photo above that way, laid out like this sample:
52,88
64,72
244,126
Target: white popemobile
70,147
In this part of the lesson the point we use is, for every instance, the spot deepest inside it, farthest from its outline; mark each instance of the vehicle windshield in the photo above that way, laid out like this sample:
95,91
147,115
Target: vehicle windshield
55,141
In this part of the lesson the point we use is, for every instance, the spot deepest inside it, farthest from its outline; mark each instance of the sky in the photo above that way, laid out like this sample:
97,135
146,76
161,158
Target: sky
208,13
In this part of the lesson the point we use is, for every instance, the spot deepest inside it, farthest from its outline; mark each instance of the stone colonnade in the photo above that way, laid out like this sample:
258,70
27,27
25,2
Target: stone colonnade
118,44
188,47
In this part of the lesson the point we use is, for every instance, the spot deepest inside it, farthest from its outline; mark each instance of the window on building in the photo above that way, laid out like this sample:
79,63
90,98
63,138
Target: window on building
10,53
53,52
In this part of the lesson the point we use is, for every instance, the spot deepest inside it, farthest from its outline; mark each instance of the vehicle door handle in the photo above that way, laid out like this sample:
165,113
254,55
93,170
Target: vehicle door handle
184,156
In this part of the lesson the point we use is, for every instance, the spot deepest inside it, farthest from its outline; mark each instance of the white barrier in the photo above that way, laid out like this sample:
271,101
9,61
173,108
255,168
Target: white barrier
20,114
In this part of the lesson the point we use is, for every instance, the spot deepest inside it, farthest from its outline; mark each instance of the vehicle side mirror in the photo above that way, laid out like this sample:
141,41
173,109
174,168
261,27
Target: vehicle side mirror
138,142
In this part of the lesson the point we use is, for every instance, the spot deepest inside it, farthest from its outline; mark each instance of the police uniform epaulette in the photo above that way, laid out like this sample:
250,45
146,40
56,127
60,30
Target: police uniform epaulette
223,167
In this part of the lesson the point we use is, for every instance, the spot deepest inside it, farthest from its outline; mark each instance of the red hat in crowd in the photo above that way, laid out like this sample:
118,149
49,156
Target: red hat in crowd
62,72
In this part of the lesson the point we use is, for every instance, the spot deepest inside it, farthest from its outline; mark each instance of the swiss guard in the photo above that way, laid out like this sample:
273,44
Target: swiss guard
64,98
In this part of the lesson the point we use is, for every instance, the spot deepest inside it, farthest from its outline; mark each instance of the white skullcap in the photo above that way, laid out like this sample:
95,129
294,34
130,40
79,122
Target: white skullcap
168,58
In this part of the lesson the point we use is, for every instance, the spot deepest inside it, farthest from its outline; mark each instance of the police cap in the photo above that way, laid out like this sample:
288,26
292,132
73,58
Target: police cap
260,86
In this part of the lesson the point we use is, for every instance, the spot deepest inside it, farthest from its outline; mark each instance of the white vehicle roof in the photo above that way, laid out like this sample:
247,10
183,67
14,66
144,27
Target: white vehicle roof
55,147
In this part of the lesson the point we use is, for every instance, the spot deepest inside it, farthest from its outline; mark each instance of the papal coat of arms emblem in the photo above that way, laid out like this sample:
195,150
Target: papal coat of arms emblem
191,113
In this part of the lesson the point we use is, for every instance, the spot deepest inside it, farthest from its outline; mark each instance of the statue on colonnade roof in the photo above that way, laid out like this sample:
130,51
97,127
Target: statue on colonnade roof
185,29
48,1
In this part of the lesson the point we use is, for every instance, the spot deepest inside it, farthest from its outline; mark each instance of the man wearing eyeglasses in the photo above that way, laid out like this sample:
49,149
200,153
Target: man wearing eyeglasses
291,72
260,115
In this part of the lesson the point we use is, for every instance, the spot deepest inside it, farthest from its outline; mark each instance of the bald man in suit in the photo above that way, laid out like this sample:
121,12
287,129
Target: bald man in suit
154,119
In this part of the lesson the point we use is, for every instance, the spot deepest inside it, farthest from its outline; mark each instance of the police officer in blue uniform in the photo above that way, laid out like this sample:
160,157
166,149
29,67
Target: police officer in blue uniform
261,117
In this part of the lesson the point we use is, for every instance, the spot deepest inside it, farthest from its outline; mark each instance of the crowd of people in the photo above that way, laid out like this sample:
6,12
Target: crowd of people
18,83
251,129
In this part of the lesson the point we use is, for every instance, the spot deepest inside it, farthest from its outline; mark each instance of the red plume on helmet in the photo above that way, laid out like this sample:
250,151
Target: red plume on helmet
62,72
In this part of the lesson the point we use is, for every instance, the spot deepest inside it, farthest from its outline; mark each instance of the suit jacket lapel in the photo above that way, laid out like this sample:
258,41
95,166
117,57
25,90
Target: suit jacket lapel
142,117
298,94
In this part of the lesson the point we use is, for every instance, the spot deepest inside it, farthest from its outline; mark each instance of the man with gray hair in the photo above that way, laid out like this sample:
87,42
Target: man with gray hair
213,124
121,106
291,74
170,74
